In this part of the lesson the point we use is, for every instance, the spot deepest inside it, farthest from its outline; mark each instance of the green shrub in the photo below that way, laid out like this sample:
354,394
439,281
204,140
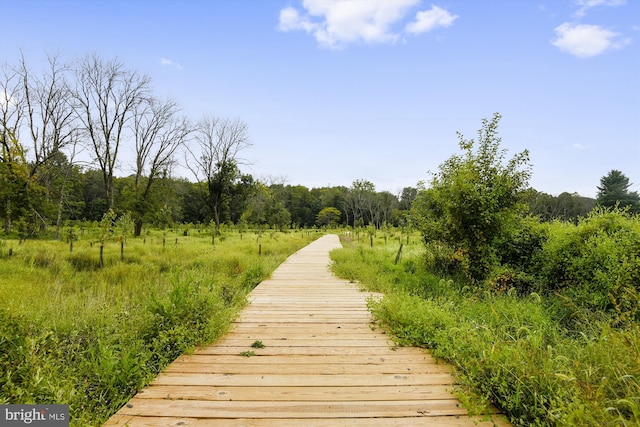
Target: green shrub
510,349
523,238
594,266
474,200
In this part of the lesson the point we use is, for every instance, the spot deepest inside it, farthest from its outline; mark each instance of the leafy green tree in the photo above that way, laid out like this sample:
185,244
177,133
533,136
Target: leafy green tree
386,204
298,201
94,196
614,191
330,197
474,201
21,196
191,200
241,192
265,208
328,217
256,211
407,197
564,207
14,180
278,215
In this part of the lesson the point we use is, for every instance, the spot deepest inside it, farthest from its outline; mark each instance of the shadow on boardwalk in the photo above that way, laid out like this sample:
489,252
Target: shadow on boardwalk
302,353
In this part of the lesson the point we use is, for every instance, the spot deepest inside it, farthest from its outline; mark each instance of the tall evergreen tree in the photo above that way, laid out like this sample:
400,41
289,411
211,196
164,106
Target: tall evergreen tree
614,191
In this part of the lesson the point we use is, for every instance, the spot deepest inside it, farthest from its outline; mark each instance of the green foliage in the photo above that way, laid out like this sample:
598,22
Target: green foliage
19,193
107,224
614,191
91,338
594,266
189,314
328,217
514,351
124,225
474,201
510,351
564,207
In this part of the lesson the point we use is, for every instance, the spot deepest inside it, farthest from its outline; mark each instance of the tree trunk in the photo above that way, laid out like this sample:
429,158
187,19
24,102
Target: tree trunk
59,218
216,218
137,227
7,216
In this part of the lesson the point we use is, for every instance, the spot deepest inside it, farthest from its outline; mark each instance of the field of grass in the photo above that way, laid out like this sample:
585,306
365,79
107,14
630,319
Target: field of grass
511,350
74,333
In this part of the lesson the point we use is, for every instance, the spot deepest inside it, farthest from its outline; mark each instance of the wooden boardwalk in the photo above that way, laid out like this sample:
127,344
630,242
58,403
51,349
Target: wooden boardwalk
322,364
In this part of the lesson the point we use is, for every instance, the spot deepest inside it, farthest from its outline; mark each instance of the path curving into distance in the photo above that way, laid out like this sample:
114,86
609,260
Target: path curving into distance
322,364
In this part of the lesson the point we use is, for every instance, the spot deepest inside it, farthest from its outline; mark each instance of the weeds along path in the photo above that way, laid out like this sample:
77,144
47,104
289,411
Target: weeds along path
303,353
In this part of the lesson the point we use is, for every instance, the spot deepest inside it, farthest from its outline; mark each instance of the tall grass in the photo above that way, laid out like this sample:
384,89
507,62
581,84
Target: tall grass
90,337
511,350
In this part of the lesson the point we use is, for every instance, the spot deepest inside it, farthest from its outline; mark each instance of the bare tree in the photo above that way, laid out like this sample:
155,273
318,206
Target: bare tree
158,132
216,160
107,95
12,102
49,112
52,125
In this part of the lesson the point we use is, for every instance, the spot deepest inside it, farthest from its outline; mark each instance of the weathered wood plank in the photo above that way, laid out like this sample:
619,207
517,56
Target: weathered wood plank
437,421
317,328
356,359
290,394
300,351
302,342
285,368
295,409
305,333
311,380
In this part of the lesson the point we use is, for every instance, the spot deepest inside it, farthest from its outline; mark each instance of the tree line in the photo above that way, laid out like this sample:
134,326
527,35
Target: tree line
97,108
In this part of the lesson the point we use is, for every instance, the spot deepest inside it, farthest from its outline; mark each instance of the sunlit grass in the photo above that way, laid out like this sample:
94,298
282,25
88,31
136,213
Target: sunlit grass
72,332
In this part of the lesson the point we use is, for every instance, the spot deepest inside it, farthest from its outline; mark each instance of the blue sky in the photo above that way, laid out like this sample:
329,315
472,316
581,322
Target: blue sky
339,90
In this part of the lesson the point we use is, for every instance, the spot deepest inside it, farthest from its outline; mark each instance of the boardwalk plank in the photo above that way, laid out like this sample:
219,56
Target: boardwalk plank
306,369
323,364
437,421
312,380
292,409
291,394
363,359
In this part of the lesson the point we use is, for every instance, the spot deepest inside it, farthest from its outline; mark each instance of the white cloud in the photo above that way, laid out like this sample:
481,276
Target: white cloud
578,146
431,19
165,62
290,20
335,23
585,5
585,41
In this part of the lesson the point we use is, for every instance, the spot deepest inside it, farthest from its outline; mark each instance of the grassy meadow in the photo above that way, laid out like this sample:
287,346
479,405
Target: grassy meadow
546,359
72,332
